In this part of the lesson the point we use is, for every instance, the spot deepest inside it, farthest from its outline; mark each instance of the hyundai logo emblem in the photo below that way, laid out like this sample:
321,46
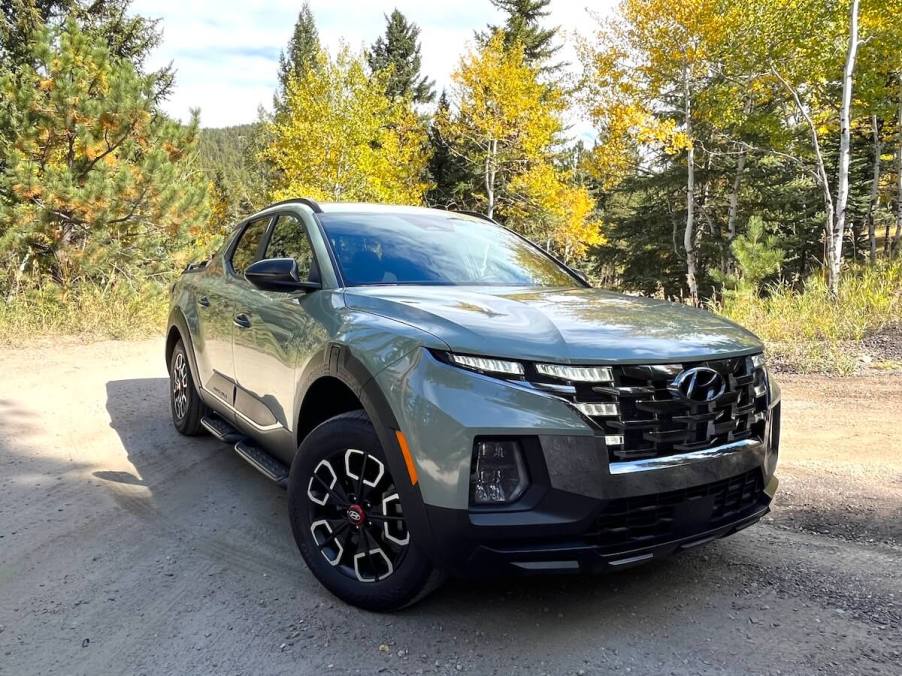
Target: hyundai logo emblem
700,384
356,515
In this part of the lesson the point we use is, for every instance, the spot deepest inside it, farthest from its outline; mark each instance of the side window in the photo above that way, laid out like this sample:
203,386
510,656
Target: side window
289,240
246,251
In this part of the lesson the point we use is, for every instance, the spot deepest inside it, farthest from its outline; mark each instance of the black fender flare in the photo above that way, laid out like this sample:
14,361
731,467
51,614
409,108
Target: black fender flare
178,326
337,361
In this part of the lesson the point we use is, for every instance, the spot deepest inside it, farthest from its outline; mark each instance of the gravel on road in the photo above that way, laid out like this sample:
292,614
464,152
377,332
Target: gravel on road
125,548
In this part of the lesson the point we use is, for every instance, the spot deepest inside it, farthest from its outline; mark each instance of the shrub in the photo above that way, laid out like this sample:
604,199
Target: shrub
810,331
119,310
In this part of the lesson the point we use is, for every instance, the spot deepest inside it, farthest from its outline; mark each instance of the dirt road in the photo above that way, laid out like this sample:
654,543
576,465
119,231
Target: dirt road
125,548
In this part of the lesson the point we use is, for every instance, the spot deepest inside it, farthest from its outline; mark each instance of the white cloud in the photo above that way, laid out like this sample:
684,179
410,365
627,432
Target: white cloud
226,53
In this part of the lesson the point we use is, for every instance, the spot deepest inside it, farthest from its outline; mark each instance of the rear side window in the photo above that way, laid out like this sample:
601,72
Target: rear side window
248,246
289,240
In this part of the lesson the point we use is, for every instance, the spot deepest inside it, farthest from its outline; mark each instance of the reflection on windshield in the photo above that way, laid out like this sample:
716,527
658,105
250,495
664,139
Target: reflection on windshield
447,249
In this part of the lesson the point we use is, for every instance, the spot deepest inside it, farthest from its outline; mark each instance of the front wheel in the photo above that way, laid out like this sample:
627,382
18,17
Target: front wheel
348,519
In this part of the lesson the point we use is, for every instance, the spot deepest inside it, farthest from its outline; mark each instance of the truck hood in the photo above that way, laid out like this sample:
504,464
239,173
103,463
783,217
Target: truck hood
557,325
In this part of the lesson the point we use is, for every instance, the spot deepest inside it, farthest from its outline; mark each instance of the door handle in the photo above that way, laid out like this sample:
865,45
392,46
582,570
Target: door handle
203,300
242,321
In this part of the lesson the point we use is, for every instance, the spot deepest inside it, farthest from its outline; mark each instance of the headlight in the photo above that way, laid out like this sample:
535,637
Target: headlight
498,473
758,361
486,365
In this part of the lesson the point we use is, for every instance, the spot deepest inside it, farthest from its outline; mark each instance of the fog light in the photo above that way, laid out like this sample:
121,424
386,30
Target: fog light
498,473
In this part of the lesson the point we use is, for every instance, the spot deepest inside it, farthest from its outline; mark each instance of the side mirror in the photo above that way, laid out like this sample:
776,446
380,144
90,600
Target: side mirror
278,274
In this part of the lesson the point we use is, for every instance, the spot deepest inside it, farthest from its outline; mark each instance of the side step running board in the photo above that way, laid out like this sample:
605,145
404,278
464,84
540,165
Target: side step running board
262,461
246,448
220,429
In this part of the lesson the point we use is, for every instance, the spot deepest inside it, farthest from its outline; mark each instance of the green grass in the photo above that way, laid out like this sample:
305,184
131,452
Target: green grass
87,311
809,331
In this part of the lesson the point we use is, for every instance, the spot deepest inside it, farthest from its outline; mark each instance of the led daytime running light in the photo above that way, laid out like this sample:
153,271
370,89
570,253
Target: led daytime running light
511,368
583,374
593,410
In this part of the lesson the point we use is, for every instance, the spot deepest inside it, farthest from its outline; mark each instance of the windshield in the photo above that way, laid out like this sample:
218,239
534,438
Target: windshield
427,248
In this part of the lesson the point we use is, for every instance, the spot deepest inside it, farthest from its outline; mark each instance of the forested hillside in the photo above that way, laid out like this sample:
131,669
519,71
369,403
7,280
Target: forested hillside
228,157
744,156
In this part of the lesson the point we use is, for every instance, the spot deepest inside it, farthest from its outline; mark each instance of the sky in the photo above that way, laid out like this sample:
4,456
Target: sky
226,53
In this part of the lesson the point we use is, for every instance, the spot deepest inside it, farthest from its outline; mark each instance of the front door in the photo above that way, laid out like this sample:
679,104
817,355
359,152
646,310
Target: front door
216,298
278,333
213,339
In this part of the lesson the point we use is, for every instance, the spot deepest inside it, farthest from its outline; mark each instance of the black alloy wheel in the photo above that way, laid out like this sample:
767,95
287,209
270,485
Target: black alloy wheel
355,515
348,518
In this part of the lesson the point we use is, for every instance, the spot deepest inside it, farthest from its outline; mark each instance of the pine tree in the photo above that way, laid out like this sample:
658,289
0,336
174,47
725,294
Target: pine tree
522,27
20,21
759,255
400,50
96,181
451,182
127,35
303,50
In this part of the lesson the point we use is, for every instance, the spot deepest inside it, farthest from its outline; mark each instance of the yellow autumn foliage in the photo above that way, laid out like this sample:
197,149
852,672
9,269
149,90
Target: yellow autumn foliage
500,99
639,62
555,211
506,124
341,138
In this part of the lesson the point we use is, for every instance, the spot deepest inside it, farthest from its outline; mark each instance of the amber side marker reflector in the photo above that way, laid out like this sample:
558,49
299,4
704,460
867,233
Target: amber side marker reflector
408,459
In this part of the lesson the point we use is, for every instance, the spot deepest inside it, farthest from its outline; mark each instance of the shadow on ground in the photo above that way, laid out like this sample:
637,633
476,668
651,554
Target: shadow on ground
153,447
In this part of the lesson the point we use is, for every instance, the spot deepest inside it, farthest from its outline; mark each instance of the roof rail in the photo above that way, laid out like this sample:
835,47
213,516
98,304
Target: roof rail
477,214
317,209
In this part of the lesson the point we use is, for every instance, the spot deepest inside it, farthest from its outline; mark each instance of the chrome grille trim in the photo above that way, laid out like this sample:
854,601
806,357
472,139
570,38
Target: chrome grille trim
628,467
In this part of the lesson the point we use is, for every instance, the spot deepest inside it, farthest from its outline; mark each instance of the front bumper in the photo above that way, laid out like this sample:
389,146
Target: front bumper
582,512
568,535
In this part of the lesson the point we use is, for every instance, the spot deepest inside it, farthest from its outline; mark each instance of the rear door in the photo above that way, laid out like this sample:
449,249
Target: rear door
279,332
216,299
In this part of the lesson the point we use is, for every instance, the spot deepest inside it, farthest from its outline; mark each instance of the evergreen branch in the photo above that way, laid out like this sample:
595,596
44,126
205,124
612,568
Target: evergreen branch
110,149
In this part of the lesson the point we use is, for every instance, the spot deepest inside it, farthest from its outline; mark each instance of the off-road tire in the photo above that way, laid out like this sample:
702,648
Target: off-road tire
412,577
185,404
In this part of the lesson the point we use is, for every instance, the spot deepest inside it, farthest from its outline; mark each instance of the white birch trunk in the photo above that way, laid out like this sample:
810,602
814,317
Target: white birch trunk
842,178
820,170
490,172
689,232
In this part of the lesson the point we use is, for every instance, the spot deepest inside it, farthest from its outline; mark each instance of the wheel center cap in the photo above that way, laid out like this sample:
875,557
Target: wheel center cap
356,515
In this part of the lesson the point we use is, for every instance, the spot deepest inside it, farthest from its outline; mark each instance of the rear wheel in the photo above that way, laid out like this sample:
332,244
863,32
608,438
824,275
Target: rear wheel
184,402
348,518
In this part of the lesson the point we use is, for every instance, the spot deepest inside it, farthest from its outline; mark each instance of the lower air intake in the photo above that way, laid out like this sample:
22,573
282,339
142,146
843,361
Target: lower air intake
647,520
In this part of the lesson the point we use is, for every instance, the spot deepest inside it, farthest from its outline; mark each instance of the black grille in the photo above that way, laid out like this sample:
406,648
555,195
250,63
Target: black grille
655,422
646,520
